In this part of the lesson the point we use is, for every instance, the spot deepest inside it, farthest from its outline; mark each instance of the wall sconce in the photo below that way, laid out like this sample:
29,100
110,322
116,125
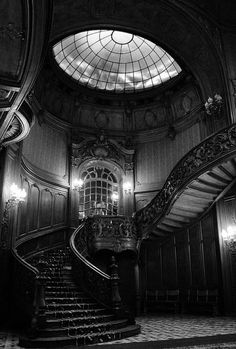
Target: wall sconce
115,196
127,187
77,184
229,236
17,195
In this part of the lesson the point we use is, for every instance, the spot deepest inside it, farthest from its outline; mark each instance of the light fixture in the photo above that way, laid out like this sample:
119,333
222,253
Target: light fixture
127,187
213,105
229,234
229,237
17,195
77,184
115,196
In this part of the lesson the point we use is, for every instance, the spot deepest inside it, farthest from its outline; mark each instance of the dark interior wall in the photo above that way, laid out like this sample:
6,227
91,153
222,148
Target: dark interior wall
45,177
226,214
126,271
188,259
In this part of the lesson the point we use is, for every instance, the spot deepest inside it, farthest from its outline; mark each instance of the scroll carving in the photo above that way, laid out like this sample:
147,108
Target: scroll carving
211,150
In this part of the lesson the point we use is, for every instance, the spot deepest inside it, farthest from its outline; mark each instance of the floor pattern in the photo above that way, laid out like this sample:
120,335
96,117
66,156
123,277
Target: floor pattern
160,328
156,328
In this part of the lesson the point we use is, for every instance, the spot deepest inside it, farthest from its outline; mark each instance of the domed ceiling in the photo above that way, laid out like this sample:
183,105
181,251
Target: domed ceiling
113,60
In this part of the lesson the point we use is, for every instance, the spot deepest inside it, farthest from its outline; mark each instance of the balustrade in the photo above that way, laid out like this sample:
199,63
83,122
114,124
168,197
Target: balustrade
115,233
214,149
103,287
29,298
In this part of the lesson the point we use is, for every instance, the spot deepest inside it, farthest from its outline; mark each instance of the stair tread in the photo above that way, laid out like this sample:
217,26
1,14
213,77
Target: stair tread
87,326
51,339
75,310
94,317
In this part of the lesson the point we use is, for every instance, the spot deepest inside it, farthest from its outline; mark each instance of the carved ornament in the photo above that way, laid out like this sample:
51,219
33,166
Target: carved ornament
4,94
230,245
10,31
101,148
214,148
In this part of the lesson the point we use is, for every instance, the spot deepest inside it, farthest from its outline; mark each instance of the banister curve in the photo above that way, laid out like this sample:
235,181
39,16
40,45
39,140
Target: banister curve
212,150
94,281
80,256
23,262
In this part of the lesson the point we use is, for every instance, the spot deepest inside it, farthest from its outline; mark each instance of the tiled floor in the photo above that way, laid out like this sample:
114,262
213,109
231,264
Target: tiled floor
172,327
156,328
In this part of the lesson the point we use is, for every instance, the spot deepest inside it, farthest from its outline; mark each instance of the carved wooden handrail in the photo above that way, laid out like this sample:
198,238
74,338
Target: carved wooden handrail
114,233
101,286
29,283
213,150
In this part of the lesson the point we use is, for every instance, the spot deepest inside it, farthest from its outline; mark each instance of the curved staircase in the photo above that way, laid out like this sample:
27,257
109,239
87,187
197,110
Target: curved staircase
72,317
198,197
198,180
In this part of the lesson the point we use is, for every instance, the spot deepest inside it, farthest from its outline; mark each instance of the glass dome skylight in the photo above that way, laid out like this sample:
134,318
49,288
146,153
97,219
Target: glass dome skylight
115,61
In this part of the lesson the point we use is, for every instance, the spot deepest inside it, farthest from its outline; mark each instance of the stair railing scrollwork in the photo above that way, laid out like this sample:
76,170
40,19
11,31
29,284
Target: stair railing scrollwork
212,150
29,283
101,286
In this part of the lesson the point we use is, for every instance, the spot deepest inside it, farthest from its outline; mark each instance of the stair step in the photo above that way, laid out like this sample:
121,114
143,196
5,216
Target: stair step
71,306
66,300
74,330
60,284
74,321
80,340
74,312
71,316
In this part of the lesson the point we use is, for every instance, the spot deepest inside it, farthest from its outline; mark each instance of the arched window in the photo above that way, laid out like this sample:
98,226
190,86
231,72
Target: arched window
99,194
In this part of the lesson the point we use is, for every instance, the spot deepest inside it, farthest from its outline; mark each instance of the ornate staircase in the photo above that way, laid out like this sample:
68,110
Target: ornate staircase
70,316
198,180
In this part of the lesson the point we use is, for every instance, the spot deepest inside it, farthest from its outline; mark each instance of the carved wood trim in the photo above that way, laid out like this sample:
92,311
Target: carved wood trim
213,150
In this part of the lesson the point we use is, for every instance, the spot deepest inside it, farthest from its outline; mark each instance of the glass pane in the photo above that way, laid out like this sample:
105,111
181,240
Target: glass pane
107,59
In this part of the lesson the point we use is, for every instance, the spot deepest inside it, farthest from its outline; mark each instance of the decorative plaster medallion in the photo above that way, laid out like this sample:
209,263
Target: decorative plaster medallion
101,119
150,119
187,103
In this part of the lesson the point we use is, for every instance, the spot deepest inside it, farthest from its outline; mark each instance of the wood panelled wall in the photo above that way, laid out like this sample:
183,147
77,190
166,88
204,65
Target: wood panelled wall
45,177
226,212
46,148
188,259
155,160
45,208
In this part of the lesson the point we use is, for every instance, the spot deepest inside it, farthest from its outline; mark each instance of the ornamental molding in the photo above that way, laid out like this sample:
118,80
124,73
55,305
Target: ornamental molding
4,94
212,150
230,245
103,149
11,31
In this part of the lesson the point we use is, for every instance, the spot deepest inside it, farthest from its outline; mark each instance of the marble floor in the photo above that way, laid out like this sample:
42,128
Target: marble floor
160,328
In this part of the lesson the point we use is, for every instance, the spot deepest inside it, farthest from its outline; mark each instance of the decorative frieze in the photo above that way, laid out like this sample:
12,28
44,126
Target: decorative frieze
11,31
216,147
102,148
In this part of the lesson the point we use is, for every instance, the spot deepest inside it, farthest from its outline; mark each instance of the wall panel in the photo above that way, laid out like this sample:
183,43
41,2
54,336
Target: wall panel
46,202
43,211
46,149
186,260
34,207
155,160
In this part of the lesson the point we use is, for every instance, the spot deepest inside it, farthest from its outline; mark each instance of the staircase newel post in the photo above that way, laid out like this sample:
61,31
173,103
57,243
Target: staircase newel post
115,294
38,317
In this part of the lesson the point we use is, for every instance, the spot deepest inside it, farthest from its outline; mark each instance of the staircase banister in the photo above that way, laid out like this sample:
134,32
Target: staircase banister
211,150
24,263
81,257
